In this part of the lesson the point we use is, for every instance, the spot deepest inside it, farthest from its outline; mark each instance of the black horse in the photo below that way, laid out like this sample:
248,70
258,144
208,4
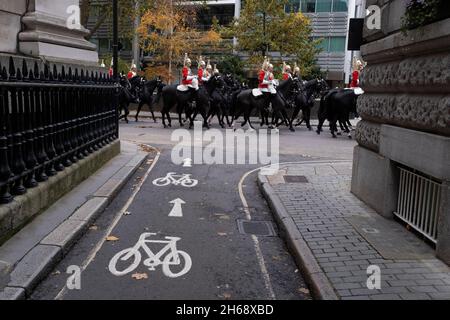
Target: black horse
246,102
213,91
191,102
335,106
217,91
304,100
127,95
232,88
146,97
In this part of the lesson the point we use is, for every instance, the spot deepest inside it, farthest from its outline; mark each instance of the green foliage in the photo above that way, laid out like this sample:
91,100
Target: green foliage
265,27
124,66
422,12
232,64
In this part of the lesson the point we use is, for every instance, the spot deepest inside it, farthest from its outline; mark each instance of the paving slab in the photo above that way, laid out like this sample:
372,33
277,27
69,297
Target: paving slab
340,237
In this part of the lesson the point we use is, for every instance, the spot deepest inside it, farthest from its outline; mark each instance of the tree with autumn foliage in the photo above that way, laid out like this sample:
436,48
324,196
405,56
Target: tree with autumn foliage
264,27
167,31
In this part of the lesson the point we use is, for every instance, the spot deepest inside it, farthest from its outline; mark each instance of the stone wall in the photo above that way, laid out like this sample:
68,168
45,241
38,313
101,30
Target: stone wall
10,15
405,110
38,28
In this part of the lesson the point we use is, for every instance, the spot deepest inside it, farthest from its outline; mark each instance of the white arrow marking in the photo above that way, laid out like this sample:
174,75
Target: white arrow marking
176,211
187,162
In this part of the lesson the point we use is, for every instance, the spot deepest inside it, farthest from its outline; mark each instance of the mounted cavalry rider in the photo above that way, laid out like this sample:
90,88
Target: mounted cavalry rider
188,80
133,71
297,74
207,73
287,72
265,79
358,66
201,70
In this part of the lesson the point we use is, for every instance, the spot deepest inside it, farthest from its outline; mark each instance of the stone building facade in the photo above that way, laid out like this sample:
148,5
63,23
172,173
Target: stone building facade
405,119
38,28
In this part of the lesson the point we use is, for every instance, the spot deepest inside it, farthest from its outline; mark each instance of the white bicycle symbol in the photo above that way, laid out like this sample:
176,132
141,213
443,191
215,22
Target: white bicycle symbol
174,257
176,179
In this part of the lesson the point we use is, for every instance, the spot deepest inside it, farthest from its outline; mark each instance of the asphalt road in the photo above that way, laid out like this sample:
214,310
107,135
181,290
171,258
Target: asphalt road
225,263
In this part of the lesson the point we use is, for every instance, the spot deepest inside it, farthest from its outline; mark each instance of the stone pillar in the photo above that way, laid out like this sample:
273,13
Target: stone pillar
10,14
405,113
46,33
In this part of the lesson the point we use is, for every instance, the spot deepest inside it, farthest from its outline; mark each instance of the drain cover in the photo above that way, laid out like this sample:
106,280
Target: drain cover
257,228
295,179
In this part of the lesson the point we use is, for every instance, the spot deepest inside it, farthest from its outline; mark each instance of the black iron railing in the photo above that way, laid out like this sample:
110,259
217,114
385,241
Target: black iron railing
50,119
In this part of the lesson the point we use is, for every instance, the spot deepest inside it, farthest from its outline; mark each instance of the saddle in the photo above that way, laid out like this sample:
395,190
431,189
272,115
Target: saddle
357,90
257,92
182,88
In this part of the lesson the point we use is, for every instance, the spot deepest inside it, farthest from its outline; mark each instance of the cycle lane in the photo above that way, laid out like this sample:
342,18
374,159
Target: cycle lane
224,262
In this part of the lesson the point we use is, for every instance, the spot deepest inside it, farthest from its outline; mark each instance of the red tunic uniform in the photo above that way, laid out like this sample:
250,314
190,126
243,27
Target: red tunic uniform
130,74
200,75
186,73
355,77
261,76
286,75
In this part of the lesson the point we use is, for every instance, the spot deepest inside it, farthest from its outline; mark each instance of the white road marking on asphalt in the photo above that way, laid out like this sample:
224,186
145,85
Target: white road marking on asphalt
116,220
177,210
259,254
187,163
174,257
184,180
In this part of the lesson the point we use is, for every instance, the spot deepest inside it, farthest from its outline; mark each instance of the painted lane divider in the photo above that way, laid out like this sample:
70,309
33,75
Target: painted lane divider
173,257
184,180
177,210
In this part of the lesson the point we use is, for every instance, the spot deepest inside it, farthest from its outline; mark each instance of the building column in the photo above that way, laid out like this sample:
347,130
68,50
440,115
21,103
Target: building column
47,34
237,14
10,13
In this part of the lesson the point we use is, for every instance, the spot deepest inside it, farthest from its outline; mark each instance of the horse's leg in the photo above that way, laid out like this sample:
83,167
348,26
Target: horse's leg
294,116
141,104
180,111
127,112
319,126
163,116
307,118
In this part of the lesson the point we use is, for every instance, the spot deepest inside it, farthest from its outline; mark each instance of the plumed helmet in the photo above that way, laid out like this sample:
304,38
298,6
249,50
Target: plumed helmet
358,64
287,68
209,66
296,69
201,62
270,66
216,71
186,60
265,64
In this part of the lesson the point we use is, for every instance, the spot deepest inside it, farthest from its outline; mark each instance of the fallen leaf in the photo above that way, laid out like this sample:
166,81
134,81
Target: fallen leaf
226,295
303,290
111,238
139,276
56,272
296,270
94,227
126,213
222,233
277,258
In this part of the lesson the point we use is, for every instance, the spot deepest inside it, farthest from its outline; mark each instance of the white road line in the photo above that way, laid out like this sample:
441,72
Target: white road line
259,255
248,216
116,220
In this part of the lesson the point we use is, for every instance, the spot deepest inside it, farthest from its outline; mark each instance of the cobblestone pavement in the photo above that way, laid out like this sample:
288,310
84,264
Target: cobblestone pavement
324,211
